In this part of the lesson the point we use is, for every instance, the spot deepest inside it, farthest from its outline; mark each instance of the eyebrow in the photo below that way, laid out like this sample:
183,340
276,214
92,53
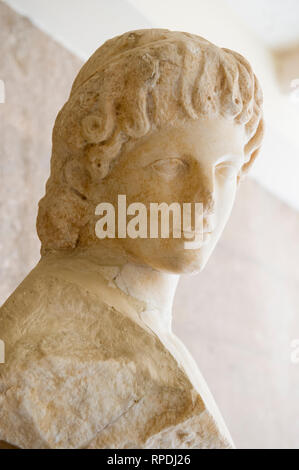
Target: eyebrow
156,156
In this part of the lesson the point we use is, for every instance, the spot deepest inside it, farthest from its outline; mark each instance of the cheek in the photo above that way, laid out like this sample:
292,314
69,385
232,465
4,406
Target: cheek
225,197
153,188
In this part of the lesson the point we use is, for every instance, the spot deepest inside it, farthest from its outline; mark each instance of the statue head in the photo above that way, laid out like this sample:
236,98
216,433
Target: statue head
158,116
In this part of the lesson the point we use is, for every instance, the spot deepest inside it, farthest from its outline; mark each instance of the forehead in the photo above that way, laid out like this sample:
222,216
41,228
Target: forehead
200,139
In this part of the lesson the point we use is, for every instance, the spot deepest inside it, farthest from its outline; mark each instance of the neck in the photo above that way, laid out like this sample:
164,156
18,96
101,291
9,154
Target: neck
153,288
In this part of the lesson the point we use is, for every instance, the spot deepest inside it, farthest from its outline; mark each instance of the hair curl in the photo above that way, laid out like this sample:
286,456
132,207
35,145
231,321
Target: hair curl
134,83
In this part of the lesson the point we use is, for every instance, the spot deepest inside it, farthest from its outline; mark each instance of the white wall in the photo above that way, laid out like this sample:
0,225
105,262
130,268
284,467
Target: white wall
81,25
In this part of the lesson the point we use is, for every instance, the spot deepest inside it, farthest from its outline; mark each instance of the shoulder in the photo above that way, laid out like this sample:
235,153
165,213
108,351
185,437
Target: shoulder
79,373
74,366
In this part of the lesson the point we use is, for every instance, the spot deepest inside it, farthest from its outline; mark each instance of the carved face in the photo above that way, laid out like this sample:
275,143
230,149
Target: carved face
195,161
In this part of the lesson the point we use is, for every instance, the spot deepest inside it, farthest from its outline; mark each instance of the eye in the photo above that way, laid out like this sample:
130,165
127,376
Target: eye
169,167
226,170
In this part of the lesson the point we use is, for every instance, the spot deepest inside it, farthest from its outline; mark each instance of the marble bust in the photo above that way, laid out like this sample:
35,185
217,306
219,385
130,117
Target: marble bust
91,361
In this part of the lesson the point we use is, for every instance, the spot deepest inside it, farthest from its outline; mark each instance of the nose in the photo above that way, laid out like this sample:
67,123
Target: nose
210,185
205,193
205,189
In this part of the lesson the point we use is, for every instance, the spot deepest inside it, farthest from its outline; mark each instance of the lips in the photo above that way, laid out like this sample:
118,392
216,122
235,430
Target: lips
191,235
193,232
204,235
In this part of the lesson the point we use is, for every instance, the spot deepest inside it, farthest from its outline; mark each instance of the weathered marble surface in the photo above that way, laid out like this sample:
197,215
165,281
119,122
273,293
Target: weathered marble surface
94,382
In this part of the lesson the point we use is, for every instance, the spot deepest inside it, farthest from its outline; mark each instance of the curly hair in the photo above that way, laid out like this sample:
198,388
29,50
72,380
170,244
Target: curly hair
132,84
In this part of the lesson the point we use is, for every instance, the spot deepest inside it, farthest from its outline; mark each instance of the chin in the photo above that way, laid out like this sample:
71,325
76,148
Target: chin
174,258
186,262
